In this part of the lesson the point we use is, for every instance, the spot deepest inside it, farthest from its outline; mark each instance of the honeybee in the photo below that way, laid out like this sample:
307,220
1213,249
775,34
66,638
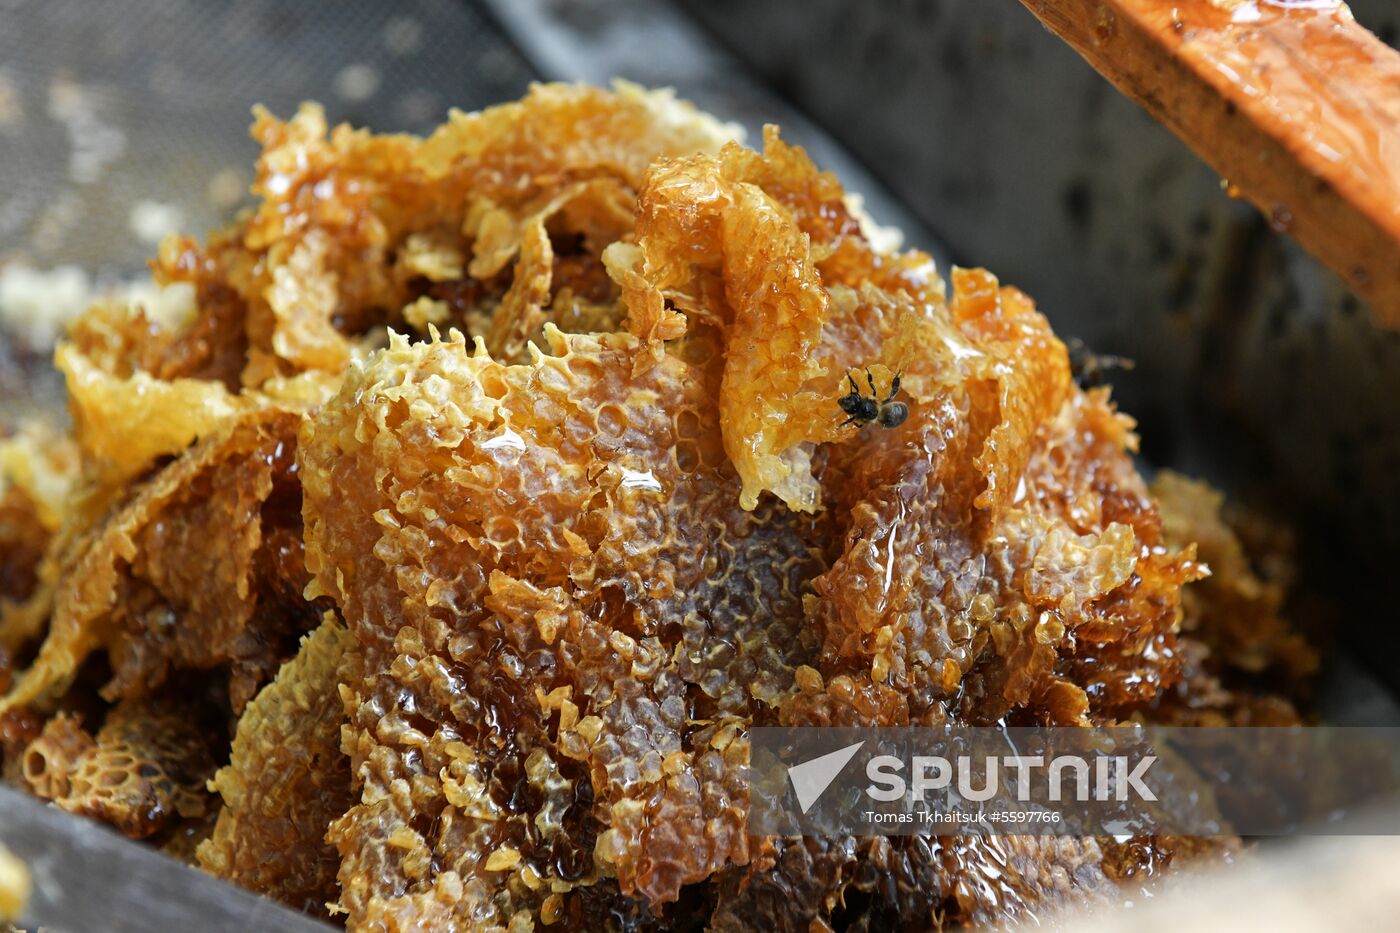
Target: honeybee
1090,369
862,411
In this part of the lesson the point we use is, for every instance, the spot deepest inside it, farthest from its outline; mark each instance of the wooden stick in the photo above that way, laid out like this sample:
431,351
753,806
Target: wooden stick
1295,104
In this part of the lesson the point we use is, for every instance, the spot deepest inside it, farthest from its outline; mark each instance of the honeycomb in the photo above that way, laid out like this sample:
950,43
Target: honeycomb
882,883
698,224
1238,610
37,467
144,768
23,540
1234,631
532,426
589,537
187,544
285,782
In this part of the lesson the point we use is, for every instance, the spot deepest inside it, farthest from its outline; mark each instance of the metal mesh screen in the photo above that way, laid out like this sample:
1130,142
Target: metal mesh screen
112,112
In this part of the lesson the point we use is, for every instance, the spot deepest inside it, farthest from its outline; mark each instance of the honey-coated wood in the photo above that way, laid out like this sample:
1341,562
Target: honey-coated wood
1293,102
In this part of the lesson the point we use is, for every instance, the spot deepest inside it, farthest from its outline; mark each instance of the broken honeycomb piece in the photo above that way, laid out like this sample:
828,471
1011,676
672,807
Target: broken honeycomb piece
124,424
1233,629
522,309
715,245
512,154
843,237
1237,611
914,882
724,252
24,538
963,581
38,468
286,781
143,769
348,220
593,518
182,547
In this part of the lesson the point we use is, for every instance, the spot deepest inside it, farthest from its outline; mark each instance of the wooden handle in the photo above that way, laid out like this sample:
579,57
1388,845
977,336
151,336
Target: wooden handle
1291,101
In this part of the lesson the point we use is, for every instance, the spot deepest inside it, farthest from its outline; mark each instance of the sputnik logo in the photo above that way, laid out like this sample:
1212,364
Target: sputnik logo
811,778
